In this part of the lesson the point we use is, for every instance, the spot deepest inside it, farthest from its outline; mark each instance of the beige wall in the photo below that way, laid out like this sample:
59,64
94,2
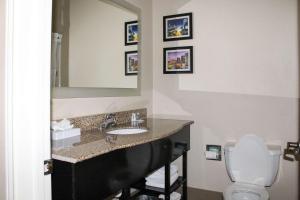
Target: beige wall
86,106
245,81
2,75
96,45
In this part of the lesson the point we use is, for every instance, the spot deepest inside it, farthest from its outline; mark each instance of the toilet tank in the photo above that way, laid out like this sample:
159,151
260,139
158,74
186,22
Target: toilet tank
251,161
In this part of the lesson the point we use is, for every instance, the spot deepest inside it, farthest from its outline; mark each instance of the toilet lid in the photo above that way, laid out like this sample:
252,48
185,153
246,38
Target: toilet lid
241,191
250,161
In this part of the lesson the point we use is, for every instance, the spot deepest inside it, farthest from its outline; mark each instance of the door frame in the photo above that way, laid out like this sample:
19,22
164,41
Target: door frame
27,98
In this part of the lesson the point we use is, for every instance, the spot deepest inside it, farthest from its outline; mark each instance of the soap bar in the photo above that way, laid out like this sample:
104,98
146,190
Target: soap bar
60,135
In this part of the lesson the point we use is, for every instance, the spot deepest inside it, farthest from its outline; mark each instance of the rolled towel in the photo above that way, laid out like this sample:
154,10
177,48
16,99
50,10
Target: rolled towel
161,183
173,196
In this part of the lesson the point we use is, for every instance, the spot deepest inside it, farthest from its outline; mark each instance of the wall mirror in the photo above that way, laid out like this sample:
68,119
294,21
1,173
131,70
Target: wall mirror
95,48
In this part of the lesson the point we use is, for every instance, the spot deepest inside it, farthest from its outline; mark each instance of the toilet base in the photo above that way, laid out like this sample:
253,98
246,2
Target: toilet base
238,191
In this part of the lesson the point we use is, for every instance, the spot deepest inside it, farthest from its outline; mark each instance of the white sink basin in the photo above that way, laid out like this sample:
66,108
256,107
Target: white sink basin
127,131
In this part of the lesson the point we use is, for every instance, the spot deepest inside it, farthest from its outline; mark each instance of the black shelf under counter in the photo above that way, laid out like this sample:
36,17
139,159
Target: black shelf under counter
149,190
168,190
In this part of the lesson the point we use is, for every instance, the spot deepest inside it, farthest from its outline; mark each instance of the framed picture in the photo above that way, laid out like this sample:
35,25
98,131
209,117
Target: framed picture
178,60
131,63
131,33
178,27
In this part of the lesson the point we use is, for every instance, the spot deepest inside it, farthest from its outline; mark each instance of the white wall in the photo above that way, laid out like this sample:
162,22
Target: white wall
2,93
86,106
245,81
96,45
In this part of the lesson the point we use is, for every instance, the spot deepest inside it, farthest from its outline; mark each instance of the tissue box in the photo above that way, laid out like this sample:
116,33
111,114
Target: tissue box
66,143
59,135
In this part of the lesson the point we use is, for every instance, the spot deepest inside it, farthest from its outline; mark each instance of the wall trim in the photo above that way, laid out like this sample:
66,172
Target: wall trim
27,98
9,13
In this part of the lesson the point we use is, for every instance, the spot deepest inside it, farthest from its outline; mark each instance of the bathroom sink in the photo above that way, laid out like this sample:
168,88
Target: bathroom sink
127,131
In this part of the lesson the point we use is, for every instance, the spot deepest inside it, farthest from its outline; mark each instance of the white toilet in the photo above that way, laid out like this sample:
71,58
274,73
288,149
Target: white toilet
252,165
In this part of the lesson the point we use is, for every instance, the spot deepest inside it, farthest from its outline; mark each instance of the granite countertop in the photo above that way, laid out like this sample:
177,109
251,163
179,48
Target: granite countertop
93,143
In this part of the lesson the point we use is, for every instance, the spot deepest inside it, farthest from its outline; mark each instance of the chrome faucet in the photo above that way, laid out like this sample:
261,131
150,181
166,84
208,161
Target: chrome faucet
136,120
108,122
135,117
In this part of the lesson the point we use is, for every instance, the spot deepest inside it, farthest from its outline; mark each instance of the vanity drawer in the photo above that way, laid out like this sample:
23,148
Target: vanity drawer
161,152
169,149
180,142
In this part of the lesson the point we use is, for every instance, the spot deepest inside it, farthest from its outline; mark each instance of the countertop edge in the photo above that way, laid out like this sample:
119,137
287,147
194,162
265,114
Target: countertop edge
74,160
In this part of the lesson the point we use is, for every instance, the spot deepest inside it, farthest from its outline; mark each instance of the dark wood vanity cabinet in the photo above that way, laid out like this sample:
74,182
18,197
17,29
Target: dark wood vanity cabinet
106,174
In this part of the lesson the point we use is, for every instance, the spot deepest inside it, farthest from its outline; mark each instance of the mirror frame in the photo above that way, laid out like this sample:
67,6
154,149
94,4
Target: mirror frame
73,92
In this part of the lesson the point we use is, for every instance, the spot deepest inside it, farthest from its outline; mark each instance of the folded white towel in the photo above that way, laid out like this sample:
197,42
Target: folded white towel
173,196
59,135
161,180
161,183
65,143
161,172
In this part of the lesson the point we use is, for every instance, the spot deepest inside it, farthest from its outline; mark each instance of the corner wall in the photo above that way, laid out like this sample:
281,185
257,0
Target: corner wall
65,108
2,105
245,81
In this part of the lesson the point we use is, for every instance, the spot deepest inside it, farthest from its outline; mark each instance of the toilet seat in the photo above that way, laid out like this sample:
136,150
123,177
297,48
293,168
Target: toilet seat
243,191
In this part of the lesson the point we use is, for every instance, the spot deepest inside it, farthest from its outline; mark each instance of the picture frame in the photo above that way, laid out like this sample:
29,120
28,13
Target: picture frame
131,33
178,27
131,63
178,60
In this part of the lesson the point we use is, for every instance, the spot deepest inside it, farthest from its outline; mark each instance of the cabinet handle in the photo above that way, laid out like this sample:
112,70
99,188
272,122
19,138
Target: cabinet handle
181,145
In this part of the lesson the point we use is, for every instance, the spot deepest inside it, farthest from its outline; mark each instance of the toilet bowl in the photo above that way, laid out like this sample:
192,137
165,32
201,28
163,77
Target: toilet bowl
251,165
240,191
